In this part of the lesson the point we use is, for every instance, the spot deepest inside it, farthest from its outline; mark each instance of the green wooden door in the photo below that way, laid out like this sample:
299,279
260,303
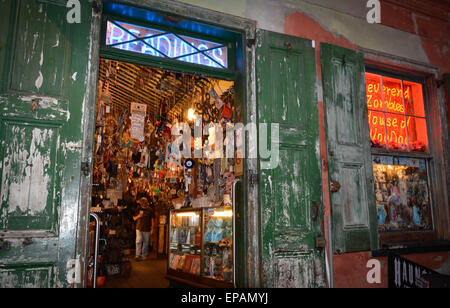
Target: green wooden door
291,192
43,67
353,207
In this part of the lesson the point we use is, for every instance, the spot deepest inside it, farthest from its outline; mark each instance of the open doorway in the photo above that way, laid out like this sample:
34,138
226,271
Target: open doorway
182,206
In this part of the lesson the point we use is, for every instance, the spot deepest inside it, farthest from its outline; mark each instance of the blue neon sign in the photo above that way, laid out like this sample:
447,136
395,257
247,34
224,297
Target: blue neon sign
162,44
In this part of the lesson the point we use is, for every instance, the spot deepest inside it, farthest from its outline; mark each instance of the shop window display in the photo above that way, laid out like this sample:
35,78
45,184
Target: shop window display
218,244
202,234
402,194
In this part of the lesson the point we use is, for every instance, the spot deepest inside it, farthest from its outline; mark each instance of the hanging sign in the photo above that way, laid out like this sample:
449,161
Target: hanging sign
137,117
396,114
406,274
189,163
161,44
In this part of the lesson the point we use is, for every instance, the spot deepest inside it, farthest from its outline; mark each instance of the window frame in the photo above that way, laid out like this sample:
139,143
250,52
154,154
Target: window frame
388,239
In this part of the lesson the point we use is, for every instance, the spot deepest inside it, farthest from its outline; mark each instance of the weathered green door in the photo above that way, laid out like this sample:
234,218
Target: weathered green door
43,67
291,192
353,207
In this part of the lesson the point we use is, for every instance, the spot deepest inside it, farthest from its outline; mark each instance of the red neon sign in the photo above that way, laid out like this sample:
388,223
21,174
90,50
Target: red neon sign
396,114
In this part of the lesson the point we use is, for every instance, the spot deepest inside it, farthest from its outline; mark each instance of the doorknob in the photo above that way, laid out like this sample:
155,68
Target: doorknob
335,186
289,47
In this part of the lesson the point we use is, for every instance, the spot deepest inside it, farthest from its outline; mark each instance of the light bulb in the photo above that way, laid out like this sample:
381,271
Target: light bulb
191,114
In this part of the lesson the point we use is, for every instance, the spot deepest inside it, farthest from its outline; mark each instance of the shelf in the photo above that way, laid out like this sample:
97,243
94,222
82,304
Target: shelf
196,281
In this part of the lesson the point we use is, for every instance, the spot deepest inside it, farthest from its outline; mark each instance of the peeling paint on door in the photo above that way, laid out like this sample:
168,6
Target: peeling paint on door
286,95
28,172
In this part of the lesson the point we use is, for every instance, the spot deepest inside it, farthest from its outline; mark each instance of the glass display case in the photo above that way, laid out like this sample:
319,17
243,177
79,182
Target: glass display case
185,241
218,244
201,246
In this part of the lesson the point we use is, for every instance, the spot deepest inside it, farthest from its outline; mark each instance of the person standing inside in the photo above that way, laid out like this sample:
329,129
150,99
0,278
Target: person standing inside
144,216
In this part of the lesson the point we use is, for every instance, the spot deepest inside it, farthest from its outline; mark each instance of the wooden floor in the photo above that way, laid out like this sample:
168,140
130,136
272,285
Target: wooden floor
144,274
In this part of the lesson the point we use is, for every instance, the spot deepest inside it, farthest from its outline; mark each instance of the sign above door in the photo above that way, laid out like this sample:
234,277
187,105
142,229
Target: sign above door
164,44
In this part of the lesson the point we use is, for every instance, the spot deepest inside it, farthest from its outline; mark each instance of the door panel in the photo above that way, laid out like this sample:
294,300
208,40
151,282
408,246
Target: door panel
293,195
44,61
28,177
349,159
353,179
290,193
40,35
346,130
299,265
27,278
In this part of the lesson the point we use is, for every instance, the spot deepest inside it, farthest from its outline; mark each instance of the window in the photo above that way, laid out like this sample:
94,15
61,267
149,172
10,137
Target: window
397,124
162,44
402,196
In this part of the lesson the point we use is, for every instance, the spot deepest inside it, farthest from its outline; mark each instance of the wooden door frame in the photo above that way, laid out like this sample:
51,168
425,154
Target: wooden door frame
249,273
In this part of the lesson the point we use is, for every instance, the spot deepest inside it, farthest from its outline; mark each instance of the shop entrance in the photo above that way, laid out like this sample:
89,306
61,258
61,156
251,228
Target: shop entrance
165,216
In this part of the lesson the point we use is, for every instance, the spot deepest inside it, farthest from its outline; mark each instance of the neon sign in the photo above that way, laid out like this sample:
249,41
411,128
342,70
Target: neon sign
162,44
396,114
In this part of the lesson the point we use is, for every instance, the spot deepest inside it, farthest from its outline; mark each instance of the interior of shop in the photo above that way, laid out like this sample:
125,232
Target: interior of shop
136,157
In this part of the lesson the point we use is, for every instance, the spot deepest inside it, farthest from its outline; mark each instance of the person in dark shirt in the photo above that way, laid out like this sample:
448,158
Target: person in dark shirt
143,194
143,218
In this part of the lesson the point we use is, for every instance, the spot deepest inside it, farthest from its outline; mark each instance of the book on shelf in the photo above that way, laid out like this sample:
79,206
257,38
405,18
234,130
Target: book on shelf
188,263
175,262
195,266
181,264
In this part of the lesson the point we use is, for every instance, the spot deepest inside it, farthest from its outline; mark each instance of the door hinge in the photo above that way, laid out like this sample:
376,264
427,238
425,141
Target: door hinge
253,178
86,168
97,6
